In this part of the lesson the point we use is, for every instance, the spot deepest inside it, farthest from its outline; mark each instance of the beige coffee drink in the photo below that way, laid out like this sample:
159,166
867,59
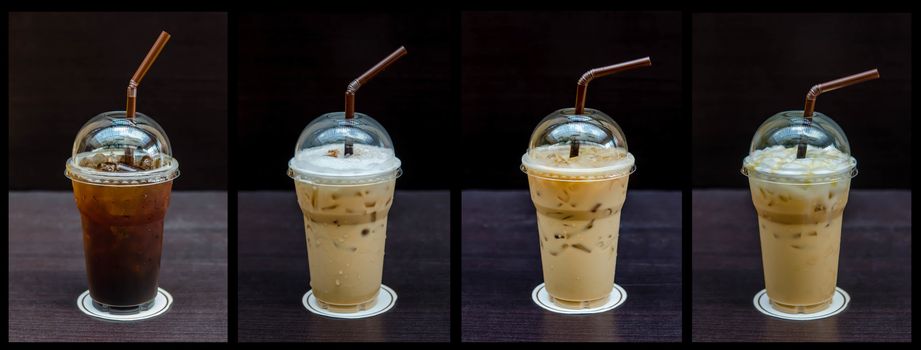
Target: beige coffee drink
344,170
578,202
578,165
345,202
800,203
799,169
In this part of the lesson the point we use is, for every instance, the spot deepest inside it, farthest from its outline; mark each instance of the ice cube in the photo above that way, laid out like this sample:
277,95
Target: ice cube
107,166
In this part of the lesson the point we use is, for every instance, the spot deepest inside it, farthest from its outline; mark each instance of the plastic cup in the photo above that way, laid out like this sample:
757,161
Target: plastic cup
345,201
122,172
578,202
800,203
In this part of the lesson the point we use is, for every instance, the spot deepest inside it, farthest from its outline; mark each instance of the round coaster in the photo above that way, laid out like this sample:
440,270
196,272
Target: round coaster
162,303
542,299
386,298
838,303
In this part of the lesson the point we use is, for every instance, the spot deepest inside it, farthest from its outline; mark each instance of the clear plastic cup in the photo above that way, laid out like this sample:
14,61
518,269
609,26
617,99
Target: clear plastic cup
578,201
122,172
800,203
345,201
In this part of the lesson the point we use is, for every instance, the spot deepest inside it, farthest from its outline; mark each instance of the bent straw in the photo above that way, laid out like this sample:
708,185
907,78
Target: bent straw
142,70
582,87
361,80
818,89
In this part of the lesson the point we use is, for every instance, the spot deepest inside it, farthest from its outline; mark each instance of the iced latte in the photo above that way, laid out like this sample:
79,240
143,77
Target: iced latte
800,203
345,202
578,219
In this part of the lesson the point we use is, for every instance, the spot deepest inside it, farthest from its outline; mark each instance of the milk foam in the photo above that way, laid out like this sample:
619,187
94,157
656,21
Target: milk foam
592,162
780,163
329,161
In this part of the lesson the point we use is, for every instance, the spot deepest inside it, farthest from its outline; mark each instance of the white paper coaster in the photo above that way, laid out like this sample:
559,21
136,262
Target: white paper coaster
542,299
162,303
839,302
386,298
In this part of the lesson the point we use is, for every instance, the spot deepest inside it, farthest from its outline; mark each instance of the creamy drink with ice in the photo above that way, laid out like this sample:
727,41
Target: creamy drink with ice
800,203
578,202
345,202
344,170
578,164
799,169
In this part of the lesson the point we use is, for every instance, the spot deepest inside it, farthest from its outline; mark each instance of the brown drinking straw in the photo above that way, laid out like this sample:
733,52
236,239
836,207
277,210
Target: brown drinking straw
142,70
361,80
582,87
817,90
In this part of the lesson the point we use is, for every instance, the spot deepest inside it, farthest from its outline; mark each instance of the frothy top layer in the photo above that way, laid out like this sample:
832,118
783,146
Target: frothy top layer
593,162
329,162
780,163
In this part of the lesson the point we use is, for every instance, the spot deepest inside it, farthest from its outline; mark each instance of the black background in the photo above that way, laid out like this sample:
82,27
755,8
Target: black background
66,68
293,68
747,67
518,67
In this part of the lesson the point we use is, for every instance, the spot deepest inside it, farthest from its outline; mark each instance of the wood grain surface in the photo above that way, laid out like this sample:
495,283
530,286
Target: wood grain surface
47,273
273,273
501,266
874,268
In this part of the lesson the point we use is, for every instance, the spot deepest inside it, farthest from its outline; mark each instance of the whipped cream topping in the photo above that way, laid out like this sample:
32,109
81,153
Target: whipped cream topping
780,163
330,161
593,162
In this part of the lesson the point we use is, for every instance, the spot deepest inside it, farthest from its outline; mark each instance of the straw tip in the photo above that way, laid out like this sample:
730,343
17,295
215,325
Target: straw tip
640,62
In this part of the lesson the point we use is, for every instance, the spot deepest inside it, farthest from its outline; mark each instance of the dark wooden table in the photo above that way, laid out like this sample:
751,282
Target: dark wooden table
273,273
47,272
501,266
874,268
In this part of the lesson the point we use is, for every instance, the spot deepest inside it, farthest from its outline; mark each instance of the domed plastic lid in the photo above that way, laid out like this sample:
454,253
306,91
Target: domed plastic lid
773,152
573,146
112,149
336,150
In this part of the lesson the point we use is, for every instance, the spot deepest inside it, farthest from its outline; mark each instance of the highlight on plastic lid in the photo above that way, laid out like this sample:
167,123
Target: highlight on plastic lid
586,146
774,147
113,149
320,155
581,143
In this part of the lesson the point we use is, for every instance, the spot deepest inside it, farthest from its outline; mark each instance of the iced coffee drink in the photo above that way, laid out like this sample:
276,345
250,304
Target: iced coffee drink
578,219
345,202
344,170
122,239
799,169
122,170
122,175
800,203
578,166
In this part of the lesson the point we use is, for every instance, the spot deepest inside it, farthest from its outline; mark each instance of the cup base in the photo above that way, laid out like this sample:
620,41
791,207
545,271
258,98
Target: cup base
542,298
348,308
798,309
385,300
123,310
579,304
156,307
836,305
